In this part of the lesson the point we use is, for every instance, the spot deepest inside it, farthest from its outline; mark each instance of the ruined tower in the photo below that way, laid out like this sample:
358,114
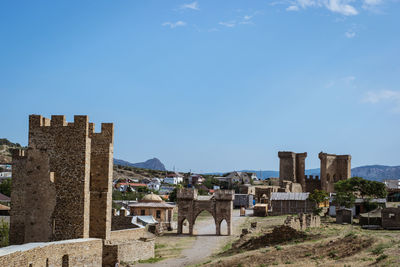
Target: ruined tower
62,183
292,167
333,169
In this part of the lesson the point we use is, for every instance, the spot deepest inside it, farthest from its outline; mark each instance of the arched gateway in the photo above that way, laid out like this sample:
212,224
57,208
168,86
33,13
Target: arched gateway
220,205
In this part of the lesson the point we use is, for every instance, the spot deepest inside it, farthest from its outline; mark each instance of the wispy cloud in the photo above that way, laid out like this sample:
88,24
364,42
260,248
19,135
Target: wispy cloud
229,24
246,19
350,34
172,25
193,6
384,96
292,8
342,7
373,5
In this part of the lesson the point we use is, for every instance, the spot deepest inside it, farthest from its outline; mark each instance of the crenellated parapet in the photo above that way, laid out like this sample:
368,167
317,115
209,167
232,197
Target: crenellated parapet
224,195
187,194
80,163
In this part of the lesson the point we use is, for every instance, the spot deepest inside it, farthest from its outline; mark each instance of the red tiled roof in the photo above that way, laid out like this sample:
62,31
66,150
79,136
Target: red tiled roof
133,184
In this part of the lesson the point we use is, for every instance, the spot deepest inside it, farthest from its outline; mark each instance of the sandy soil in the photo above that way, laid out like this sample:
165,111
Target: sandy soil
204,245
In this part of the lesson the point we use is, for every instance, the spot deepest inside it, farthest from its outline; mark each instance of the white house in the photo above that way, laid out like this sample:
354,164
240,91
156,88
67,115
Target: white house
173,178
154,184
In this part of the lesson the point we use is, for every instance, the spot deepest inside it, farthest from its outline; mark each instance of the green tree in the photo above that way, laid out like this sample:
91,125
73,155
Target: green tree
4,233
348,190
318,196
210,182
5,187
173,195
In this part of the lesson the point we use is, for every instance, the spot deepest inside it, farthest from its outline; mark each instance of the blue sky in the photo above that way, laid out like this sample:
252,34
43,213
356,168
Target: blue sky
210,85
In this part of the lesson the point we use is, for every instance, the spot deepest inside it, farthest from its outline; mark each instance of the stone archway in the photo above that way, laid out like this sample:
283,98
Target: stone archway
220,206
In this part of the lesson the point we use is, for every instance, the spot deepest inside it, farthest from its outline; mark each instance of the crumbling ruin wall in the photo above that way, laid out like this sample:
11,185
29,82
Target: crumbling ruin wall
312,183
333,169
77,252
303,221
220,206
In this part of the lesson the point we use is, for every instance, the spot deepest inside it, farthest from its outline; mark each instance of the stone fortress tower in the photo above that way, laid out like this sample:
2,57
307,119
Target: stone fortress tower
62,183
292,167
333,169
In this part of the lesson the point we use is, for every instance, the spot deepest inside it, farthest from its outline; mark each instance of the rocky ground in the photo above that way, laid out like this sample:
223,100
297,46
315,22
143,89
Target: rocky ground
329,245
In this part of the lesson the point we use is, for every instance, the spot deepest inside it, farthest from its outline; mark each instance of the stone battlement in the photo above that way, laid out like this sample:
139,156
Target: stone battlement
187,193
312,177
18,153
228,195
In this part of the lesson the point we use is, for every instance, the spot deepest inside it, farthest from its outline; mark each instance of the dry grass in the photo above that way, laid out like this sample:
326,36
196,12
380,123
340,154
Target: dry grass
171,245
333,245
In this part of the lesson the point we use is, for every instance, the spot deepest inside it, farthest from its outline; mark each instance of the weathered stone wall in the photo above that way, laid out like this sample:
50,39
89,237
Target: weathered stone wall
121,223
127,252
344,216
333,169
128,246
101,171
300,170
312,183
129,234
303,221
264,191
391,218
51,197
220,207
79,252
287,166
17,212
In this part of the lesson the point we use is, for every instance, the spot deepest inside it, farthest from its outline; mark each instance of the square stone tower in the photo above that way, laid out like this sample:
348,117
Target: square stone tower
333,169
292,167
62,183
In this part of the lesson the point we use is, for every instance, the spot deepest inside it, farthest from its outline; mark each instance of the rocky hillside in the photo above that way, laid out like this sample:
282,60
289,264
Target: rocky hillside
377,172
123,172
5,150
152,164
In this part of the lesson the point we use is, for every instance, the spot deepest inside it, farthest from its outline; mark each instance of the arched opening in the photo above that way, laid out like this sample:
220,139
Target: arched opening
204,224
328,177
223,227
65,261
185,226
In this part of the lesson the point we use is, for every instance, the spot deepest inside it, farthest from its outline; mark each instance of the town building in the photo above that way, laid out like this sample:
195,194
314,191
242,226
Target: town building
153,205
173,178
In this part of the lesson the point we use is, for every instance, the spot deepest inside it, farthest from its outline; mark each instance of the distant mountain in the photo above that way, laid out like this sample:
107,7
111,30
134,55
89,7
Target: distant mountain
377,172
152,164
370,172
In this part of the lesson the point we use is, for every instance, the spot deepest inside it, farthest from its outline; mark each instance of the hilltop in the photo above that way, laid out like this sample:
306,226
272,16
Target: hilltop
5,149
152,164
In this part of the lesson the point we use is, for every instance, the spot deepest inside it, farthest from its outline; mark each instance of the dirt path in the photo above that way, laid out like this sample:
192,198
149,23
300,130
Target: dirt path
204,246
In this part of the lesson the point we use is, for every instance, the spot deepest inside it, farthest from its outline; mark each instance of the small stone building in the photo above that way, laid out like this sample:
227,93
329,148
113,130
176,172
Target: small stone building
391,218
153,205
290,203
344,216
260,210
